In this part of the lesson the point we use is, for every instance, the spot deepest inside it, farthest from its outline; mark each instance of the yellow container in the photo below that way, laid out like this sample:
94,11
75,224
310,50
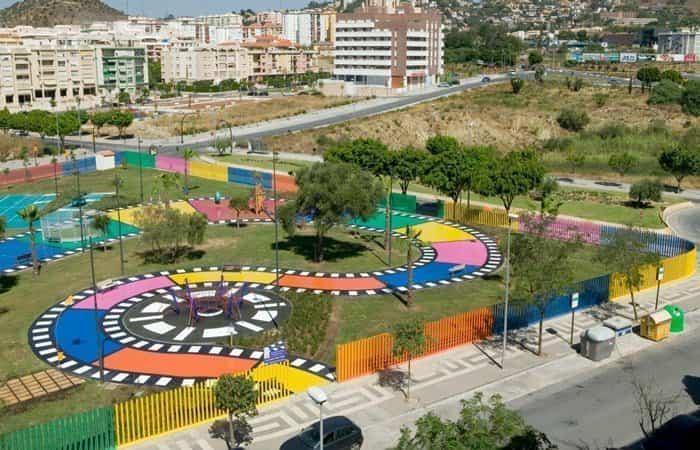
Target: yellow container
655,326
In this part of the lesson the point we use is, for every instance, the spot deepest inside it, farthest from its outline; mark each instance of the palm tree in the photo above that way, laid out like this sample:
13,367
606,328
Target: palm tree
101,223
31,214
188,154
164,182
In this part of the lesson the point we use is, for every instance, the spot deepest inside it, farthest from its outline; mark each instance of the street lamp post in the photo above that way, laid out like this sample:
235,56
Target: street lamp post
80,125
138,143
117,183
98,336
659,278
511,217
574,305
319,397
274,198
80,201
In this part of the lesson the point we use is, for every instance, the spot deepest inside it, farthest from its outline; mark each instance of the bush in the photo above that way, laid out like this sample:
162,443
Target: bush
672,75
557,144
646,190
622,162
666,92
600,99
612,130
690,99
573,120
516,84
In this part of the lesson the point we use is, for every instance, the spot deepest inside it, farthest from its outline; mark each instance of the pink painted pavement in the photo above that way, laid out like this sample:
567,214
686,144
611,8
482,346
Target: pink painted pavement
222,211
115,295
471,253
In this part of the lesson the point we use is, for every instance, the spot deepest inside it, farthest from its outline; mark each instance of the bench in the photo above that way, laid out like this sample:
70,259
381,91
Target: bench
454,270
25,258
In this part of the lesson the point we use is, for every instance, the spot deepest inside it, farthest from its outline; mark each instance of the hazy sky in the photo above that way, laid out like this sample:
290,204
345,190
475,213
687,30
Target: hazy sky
160,8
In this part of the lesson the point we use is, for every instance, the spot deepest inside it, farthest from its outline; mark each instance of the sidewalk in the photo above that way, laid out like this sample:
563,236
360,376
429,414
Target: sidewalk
441,380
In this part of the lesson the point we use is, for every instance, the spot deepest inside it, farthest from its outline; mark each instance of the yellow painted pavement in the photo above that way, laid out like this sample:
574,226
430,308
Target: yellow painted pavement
128,215
439,232
213,276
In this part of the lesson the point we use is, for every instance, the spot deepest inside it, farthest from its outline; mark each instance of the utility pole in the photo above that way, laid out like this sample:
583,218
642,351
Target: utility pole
138,143
117,183
511,217
98,335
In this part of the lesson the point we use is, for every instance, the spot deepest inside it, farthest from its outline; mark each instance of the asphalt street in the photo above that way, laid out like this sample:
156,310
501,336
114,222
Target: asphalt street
686,223
600,411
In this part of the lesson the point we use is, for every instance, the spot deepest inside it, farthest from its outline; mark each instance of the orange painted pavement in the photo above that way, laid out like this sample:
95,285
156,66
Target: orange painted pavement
331,284
175,364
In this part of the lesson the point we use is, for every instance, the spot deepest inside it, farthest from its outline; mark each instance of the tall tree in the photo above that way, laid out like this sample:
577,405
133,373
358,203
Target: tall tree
648,75
369,154
188,154
222,144
515,174
542,266
331,193
99,119
441,143
407,164
30,214
237,395
627,254
121,119
681,162
66,124
410,341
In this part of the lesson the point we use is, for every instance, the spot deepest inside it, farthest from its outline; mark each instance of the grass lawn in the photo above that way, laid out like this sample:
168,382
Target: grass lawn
283,165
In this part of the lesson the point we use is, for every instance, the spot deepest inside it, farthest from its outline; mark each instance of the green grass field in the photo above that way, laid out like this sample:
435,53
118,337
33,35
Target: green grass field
283,165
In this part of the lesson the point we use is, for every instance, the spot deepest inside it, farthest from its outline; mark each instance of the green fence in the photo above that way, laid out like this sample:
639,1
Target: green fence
133,158
400,202
91,430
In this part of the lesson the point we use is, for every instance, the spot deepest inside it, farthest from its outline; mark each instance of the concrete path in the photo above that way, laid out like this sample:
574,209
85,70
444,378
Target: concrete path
442,380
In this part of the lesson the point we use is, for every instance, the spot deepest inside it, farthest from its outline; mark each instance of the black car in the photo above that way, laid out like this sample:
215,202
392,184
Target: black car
340,433
485,80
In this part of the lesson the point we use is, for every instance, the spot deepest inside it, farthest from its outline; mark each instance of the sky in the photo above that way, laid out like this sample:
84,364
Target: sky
161,8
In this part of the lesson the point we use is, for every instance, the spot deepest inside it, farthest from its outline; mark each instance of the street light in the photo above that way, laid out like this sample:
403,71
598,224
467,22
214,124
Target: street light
98,335
319,397
274,199
138,143
511,218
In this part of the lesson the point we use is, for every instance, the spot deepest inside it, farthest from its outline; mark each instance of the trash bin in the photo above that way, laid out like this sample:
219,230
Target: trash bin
677,318
597,343
655,326
619,325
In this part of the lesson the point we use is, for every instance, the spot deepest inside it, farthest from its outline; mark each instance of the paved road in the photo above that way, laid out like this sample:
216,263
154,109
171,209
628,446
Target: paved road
613,186
601,410
686,223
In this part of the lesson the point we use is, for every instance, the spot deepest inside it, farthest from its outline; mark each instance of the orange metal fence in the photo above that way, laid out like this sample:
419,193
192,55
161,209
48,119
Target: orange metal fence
374,353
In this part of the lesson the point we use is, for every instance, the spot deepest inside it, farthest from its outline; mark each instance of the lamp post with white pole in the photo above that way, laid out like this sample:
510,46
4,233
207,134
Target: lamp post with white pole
319,397
511,217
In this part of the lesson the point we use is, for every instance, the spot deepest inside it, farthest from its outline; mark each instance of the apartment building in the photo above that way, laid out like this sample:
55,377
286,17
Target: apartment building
389,45
684,42
296,27
217,63
275,56
37,77
121,69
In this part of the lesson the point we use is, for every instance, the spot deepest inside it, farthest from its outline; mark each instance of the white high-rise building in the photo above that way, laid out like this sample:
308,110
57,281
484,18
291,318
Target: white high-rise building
296,27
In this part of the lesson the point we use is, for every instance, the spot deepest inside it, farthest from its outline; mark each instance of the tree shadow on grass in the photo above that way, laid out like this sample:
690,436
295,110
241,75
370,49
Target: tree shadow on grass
333,249
7,282
159,257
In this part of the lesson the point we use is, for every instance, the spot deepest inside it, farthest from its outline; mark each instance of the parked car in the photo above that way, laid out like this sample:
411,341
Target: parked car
486,80
340,433
454,82
444,84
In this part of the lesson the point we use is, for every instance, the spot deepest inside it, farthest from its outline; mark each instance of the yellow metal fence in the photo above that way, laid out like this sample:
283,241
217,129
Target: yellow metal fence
477,215
167,411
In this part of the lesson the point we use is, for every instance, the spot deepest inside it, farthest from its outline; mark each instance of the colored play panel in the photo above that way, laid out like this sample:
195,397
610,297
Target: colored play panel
472,253
13,247
218,212
330,283
128,215
429,273
215,276
398,221
440,232
111,297
176,364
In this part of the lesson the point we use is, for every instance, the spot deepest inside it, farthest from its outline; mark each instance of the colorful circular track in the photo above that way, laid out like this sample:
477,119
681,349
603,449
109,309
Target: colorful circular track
144,340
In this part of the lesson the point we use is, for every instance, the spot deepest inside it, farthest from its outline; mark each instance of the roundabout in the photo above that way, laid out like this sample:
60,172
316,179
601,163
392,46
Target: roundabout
173,327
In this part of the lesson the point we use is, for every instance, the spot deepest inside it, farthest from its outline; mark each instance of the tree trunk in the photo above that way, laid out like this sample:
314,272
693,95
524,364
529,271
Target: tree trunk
469,199
238,219
408,381
678,184
539,337
319,247
32,239
230,430
634,305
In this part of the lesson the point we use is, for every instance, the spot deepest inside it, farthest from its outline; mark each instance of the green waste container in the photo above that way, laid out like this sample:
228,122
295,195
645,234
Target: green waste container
676,318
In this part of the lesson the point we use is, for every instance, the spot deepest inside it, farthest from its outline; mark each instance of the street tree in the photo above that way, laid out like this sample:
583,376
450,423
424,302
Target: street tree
368,154
481,425
542,267
410,341
188,154
516,84
516,173
121,119
458,169
124,98
644,191
680,161
621,163
237,395
441,143
66,124
30,214
407,164
99,119
534,57
100,223
222,144
332,193
626,253
238,202
648,75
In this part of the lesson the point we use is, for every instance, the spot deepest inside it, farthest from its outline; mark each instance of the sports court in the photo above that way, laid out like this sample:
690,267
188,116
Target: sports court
10,204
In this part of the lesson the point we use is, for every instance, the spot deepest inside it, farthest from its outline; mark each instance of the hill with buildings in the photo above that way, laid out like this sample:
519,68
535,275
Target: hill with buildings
47,13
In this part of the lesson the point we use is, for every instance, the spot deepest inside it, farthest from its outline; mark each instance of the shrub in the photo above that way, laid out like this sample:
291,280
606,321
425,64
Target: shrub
516,84
646,190
672,75
622,162
666,92
600,99
690,99
557,144
573,120
612,130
